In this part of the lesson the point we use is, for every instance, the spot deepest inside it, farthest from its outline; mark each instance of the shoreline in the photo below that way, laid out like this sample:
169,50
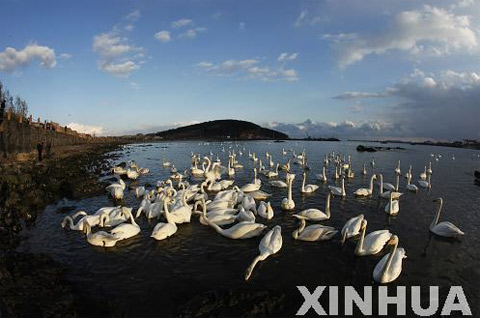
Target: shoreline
34,284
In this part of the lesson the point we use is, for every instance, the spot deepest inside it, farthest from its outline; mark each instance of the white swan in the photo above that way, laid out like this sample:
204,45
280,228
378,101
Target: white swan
312,233
116,189
397,169
409,175
411,186
92,220
423,175
390,266
309,188
425,183
163,230
181,214
352,227
364,170
139,191
392,207
323,176
272,174
100,238
340,191
386,195
126,230
265,210
287,203
242,230
373,242
364,192
254,186
445,229
270,244
315,214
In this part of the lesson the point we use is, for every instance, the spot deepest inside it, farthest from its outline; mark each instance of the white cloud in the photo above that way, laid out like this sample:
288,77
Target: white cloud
249,69
135,85
117,55
358,95
242,26
287,57
305,18
86,129
192,33
11,59
129,27
133,16
65,56
181,23
119,69
428,31
429,82
163,36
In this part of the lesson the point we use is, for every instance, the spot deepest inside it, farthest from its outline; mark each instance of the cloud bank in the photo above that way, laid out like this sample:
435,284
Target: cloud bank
11,59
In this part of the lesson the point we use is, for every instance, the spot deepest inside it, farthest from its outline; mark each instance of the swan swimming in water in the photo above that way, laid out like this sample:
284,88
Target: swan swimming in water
270,244
315,214
393,206
373,243
126,230
265,210
323,176
309,188
242,230
364,192
287,203
163,230
116,189
352,227
314,232
100,238
390,266
254,186
445,229
92,220
340,191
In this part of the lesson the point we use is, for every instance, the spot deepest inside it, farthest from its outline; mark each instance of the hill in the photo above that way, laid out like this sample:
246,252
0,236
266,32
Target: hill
219,130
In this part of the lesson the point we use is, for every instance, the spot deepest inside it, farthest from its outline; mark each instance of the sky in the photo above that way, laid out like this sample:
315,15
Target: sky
368,69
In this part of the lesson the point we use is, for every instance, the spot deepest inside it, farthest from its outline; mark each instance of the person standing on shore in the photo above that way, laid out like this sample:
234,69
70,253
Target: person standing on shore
40,150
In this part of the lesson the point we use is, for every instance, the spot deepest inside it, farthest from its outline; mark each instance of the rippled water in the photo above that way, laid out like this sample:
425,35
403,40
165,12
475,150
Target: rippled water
144,277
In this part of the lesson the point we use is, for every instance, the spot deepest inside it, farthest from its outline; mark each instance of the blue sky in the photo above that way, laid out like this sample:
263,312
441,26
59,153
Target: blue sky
404,69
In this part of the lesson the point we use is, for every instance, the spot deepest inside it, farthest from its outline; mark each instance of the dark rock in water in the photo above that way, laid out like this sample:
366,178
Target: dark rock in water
477,174
362,148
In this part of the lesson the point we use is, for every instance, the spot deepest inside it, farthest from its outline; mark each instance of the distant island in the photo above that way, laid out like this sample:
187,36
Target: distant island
228,129
466,143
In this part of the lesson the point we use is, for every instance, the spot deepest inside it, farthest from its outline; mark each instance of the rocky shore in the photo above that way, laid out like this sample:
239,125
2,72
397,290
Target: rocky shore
33,284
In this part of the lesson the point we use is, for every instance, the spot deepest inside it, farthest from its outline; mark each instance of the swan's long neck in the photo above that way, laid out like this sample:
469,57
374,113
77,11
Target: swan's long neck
381,183
437,217
371,183
390,258
303,182
68,219
360,242
208,165
397,181
215,226
343,187
327,205
290,182
257,259
167,212
300,229
276,169
390,206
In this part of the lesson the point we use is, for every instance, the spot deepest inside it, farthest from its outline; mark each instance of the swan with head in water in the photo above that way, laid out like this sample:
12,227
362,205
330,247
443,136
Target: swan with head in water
445,229
92,220
364,192
340,191
287,203
265,210
315,214
270,244
373,243
100,238
242,230
309,188
390,266
352,227
314,232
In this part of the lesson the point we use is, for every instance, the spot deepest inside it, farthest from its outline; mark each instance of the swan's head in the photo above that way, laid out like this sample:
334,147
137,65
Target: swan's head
438,200
393,240
363,224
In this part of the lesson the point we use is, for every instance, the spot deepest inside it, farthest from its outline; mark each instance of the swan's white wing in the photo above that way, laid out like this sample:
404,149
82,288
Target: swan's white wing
447,229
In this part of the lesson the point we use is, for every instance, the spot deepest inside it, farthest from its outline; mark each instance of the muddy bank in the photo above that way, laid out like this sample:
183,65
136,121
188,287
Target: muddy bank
33,284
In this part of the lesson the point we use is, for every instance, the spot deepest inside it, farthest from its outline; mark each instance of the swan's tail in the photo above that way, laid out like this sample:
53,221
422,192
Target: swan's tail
250,268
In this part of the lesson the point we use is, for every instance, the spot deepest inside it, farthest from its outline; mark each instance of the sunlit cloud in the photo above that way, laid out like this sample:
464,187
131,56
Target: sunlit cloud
11,59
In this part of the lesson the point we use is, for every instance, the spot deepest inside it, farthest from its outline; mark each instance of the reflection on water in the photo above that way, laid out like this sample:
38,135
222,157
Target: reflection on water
160,277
